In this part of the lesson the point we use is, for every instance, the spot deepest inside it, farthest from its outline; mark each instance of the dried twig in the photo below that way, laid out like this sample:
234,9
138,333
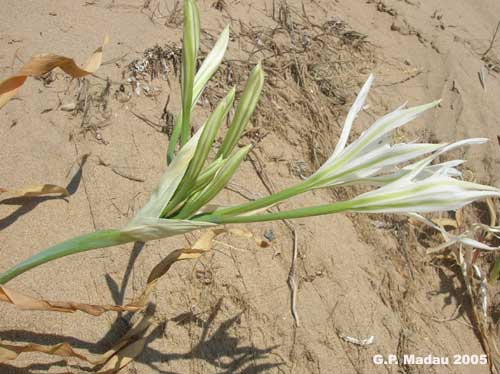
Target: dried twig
148,122
258,166
492,41
120,173
291,278
404,246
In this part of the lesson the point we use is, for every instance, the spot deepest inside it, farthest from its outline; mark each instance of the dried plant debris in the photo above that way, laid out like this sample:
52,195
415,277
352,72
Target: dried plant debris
34,191
480,295
492,62
475,266
91,104
361,342
156,62
40,65
26,302
120,355
311,72
167,12
220,5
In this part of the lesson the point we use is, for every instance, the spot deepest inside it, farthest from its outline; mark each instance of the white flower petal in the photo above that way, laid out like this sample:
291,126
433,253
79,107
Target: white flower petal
421,165
378,160
374,139
353,112
436,193
382,127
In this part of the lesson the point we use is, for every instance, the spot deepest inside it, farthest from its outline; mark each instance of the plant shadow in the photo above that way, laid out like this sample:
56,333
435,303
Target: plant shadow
27,204
219,348
456,294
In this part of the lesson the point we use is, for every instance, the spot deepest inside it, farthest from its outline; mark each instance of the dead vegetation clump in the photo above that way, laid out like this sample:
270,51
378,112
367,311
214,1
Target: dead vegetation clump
91,104
492,61
312,73
156,62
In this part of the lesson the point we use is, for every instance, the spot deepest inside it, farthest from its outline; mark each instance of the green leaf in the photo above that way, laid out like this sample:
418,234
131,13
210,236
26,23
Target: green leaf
207,174
207,138
215,186
190,46
170,181
206,71
98,239
210,64
244,110
151,228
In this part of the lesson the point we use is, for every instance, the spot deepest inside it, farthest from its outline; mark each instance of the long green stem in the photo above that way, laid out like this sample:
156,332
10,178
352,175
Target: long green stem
319,210
98,239
264,202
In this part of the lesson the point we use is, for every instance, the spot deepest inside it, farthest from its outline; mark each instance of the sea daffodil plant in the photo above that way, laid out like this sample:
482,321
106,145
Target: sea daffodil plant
180,203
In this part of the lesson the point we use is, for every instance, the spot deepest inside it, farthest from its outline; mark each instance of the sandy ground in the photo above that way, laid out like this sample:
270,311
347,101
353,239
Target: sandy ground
353,277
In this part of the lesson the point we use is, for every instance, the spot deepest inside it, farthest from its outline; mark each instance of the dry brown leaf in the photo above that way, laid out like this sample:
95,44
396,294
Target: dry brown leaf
29,303
459,216
124,357
37,190
10,352
120,349
492,210
125,349
443,222
41,64
247,234
201,246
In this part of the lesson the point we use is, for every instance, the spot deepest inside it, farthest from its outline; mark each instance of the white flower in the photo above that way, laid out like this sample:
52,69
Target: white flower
421,190
371,154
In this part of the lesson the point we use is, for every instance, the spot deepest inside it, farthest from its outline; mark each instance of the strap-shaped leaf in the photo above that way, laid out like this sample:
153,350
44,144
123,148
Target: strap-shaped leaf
215,186
97,239
151,228
208,136
190,46
244,110
210,64
206,71
202,149
208,173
